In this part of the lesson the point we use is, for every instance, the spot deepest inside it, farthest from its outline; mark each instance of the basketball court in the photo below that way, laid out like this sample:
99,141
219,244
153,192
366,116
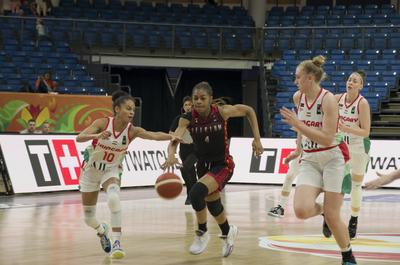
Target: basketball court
48,228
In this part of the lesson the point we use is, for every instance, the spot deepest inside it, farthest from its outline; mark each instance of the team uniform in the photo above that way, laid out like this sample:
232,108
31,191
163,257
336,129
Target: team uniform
188,156
322,166
211,140
103,158
359,146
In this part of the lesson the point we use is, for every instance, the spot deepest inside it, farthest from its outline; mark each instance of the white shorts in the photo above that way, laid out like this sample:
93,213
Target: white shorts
326,170
91,178
358,163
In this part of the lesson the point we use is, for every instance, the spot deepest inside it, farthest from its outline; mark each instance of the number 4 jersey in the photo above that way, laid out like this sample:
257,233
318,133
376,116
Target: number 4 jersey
349,116
106,153
312,116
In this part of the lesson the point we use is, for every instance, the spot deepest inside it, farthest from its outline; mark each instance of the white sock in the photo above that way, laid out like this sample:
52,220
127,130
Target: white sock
356,197
283,201
116,236
100,229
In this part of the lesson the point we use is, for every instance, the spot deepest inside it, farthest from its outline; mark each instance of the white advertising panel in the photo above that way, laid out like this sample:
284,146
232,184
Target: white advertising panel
269,168
38,163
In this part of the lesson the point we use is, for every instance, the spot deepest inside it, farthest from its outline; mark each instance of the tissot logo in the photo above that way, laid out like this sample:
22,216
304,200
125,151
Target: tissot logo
68,160
266,163
43,162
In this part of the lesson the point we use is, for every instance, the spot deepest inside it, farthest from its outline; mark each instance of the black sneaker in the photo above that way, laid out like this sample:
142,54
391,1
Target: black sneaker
187,201
325,229
277,211
353,227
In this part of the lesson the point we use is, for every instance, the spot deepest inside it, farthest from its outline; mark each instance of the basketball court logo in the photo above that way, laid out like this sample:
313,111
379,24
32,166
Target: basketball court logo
373,247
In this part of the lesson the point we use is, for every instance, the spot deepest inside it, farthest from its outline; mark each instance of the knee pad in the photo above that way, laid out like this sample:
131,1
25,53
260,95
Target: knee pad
215,207
89,215
198,193
113,199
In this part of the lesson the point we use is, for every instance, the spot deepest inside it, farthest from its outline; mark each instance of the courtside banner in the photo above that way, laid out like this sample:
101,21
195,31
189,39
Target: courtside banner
38,163
269,168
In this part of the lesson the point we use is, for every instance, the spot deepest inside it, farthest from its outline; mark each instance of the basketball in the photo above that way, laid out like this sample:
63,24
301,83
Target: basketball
168,185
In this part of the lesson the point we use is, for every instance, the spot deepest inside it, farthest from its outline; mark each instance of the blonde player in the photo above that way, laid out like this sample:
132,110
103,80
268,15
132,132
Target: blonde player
355,124
322,167
110,138
292,161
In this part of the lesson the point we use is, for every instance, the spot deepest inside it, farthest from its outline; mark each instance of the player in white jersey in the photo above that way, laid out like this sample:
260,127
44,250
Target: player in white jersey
293,162
324,154
102,167
355,124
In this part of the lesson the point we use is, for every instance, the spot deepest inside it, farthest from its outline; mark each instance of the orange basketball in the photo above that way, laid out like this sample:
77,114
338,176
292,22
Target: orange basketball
168,185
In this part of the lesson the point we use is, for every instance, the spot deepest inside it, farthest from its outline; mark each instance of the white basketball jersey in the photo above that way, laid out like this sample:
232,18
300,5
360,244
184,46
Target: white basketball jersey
349,116
105,153
312,116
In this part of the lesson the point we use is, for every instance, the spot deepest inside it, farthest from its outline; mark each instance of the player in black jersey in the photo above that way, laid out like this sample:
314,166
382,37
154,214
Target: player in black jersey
186,152
207,125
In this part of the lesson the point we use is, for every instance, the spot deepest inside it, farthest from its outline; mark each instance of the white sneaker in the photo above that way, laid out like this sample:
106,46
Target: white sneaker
117,252
229,240
200,242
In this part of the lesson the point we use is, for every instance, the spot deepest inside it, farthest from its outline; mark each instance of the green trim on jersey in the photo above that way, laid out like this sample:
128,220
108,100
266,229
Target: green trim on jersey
367,144
339,137
346,184
87,153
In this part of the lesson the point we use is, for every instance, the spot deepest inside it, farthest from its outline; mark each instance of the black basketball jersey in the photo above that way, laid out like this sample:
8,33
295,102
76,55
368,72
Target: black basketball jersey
209,135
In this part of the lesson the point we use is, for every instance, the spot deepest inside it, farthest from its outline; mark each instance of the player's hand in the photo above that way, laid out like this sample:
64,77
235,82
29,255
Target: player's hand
171,162
293,155
258,149
379,182
103,135
343,127
176,139
289,117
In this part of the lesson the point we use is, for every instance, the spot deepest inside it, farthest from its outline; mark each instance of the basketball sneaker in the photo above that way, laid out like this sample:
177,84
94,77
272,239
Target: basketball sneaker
200,242
229,240
277,211
117,252
104,239
325,229
353,227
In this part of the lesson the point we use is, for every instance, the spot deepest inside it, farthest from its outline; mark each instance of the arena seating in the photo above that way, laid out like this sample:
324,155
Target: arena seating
372,43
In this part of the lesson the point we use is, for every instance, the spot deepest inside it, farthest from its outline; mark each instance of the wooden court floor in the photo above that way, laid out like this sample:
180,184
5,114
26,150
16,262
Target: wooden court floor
48,228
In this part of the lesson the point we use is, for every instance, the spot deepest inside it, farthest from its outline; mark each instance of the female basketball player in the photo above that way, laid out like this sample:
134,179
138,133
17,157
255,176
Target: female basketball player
292,161
322,167
102,166
186,152
207,124
355,124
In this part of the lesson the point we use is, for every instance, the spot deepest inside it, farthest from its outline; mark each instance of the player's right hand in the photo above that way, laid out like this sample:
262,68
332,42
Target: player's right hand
171,162
104,135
